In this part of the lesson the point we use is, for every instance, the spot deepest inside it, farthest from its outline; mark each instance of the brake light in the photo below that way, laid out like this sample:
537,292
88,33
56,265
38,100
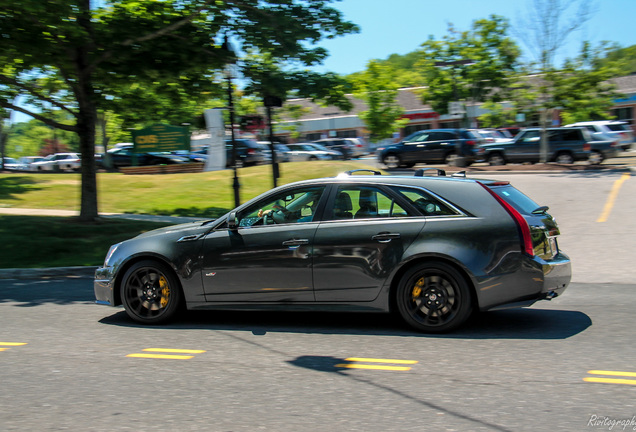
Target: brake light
251,151
587,147
522,224
471,142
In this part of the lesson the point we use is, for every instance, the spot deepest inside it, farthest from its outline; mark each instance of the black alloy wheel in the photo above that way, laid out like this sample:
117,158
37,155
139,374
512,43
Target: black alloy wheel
392,161
150,292
433,298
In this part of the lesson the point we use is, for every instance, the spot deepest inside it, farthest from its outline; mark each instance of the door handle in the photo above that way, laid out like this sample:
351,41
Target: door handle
296,242
385,237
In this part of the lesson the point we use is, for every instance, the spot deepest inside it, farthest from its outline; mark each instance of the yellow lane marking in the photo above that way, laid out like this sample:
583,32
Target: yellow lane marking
168,350
376,366
614,373
161,356
3,349
612,197
12,343
610,380
360,366
372,360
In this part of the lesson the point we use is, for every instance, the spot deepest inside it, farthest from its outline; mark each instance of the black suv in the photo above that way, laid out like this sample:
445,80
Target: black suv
565,145
430,146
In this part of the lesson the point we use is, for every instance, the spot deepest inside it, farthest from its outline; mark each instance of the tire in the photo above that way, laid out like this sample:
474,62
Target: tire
450,158
496,159
392,161
596,157
564,158
434,298
150,292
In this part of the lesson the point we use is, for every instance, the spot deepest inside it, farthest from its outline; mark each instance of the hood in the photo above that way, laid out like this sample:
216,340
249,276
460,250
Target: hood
190,228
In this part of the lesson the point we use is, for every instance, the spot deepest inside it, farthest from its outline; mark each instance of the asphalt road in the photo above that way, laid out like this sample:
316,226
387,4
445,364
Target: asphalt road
68,364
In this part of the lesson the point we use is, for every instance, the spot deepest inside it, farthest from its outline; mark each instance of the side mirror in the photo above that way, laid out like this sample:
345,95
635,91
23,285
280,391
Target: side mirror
232,223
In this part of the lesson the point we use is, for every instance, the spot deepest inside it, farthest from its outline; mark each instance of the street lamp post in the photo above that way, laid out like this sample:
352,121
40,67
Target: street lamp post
236,185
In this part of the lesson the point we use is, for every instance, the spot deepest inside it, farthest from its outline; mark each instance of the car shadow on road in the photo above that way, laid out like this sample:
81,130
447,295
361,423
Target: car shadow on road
508,324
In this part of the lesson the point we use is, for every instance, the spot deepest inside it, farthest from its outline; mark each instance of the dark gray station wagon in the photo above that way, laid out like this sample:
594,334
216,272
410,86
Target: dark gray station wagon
431,248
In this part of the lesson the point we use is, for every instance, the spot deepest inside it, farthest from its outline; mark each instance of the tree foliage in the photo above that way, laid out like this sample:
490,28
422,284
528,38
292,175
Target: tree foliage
468,65
377,87
124,56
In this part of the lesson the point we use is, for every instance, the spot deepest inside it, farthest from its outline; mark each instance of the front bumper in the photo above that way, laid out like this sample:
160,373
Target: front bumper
104,287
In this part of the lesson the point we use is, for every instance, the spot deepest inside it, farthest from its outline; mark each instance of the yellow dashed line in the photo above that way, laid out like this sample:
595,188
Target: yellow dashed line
380,366
176,354
12,343
612,197
372,360
611,380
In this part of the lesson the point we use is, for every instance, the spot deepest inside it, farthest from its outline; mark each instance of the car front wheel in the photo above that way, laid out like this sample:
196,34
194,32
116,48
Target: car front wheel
433,298
150,292
564,158
392,161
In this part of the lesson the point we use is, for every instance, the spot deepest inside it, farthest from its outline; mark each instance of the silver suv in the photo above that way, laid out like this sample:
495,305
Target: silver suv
618,130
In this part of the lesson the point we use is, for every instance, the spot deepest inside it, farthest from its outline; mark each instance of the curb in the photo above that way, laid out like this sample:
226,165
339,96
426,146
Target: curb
35,273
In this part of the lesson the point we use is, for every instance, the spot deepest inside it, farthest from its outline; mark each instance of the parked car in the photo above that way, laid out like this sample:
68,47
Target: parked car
334,154
122,156
621,131
306,152
491,135
349,147
282,152
430,146
10,164
433,249
58,162
25,162
565,146
248,153
191,156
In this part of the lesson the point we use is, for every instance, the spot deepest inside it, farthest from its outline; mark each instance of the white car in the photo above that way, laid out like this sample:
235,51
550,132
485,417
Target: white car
306,152
24,163
10,164
58,162
619,130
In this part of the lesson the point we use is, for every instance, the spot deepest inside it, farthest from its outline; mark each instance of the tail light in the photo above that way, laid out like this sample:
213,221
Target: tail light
471,142
251,151
522,224
587,147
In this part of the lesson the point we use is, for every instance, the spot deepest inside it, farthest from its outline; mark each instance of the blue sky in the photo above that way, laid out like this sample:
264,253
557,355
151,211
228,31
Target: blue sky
400,26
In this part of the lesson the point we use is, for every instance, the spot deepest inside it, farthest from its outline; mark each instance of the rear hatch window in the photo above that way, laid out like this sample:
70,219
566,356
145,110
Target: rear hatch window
543,228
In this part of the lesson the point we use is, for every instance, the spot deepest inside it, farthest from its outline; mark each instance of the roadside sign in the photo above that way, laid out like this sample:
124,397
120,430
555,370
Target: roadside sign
161,138
456,108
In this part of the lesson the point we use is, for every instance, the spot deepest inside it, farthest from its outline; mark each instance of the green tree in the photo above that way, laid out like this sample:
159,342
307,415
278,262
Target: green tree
66,55
377,87
469,65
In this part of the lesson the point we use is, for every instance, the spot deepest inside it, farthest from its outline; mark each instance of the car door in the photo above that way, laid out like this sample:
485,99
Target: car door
416,148
525,148
267,257
364,233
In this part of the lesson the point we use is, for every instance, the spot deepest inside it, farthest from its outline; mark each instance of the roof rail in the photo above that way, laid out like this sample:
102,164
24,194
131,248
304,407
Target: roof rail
420,172
363,170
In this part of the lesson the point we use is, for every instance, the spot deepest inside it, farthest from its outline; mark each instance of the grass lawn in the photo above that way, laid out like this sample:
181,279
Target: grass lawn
206,194
39,241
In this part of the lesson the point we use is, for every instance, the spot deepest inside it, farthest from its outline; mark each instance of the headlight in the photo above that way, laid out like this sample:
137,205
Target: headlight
110,253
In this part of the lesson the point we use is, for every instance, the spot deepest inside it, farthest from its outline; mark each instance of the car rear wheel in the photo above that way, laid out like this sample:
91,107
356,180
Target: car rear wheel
433,298
150,292
496,159
392,161
596,157
564,158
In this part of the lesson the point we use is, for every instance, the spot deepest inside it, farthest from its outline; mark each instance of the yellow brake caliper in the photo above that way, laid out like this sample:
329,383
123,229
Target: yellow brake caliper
165,291
417,288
